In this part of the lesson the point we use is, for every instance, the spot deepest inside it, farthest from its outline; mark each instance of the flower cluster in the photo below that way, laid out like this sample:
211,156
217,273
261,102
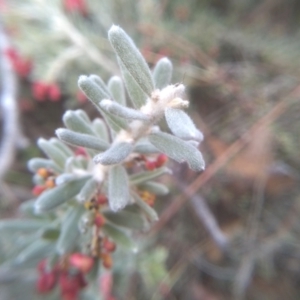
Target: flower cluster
42,91
68,274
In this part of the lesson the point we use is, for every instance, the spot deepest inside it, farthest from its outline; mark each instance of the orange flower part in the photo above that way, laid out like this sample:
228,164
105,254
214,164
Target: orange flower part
43,172
148,197
50,183
107,261
82,262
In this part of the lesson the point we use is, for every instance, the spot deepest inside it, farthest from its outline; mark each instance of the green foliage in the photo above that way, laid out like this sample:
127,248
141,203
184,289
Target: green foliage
94,200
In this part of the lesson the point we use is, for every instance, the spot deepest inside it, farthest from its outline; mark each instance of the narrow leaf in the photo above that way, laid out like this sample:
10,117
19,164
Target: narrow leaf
136,94
116,88
21,225
65,177
178,150
122,111
69,230
96,93
115,154
182,125
154,188
81,139
119,236
148,175
98,80
74,122
145,147
32,254
92,90
100,128
131,58
162,73
52,152
149,211
88,191
37,163
125,219
83,115
118,188
51,234
58,195
65,149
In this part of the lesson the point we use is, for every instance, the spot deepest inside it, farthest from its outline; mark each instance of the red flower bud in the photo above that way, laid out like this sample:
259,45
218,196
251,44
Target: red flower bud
99,220
150,165
76,6
81,262
39,90
161,160
80,151
38,189
109,246
46,282
54,92
22,67
101,199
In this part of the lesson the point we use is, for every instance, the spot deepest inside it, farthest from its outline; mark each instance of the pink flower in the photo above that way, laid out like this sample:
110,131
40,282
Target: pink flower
76,6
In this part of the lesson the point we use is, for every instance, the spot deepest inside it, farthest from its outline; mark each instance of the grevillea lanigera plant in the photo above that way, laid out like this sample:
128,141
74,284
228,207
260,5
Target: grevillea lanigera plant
97,183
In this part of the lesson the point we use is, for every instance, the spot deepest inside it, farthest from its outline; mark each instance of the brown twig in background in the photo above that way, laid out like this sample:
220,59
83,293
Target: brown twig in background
207,218
235,147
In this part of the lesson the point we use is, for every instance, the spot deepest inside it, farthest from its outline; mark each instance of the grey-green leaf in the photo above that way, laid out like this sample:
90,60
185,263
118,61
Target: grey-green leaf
144,147
64,148
154,188
142,177
96,93
69,230
20,225
119,236
136,94
116,88
122,111
32,254
52,152
92,90
36,163
81,139
101,129
178,150
58,195
149,211
98,80
182,125
162,73
131,58
125,219
75,122
115,154
118,188
88,191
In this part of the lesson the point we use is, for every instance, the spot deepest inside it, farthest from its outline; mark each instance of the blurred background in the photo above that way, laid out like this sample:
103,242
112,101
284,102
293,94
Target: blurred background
231,232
